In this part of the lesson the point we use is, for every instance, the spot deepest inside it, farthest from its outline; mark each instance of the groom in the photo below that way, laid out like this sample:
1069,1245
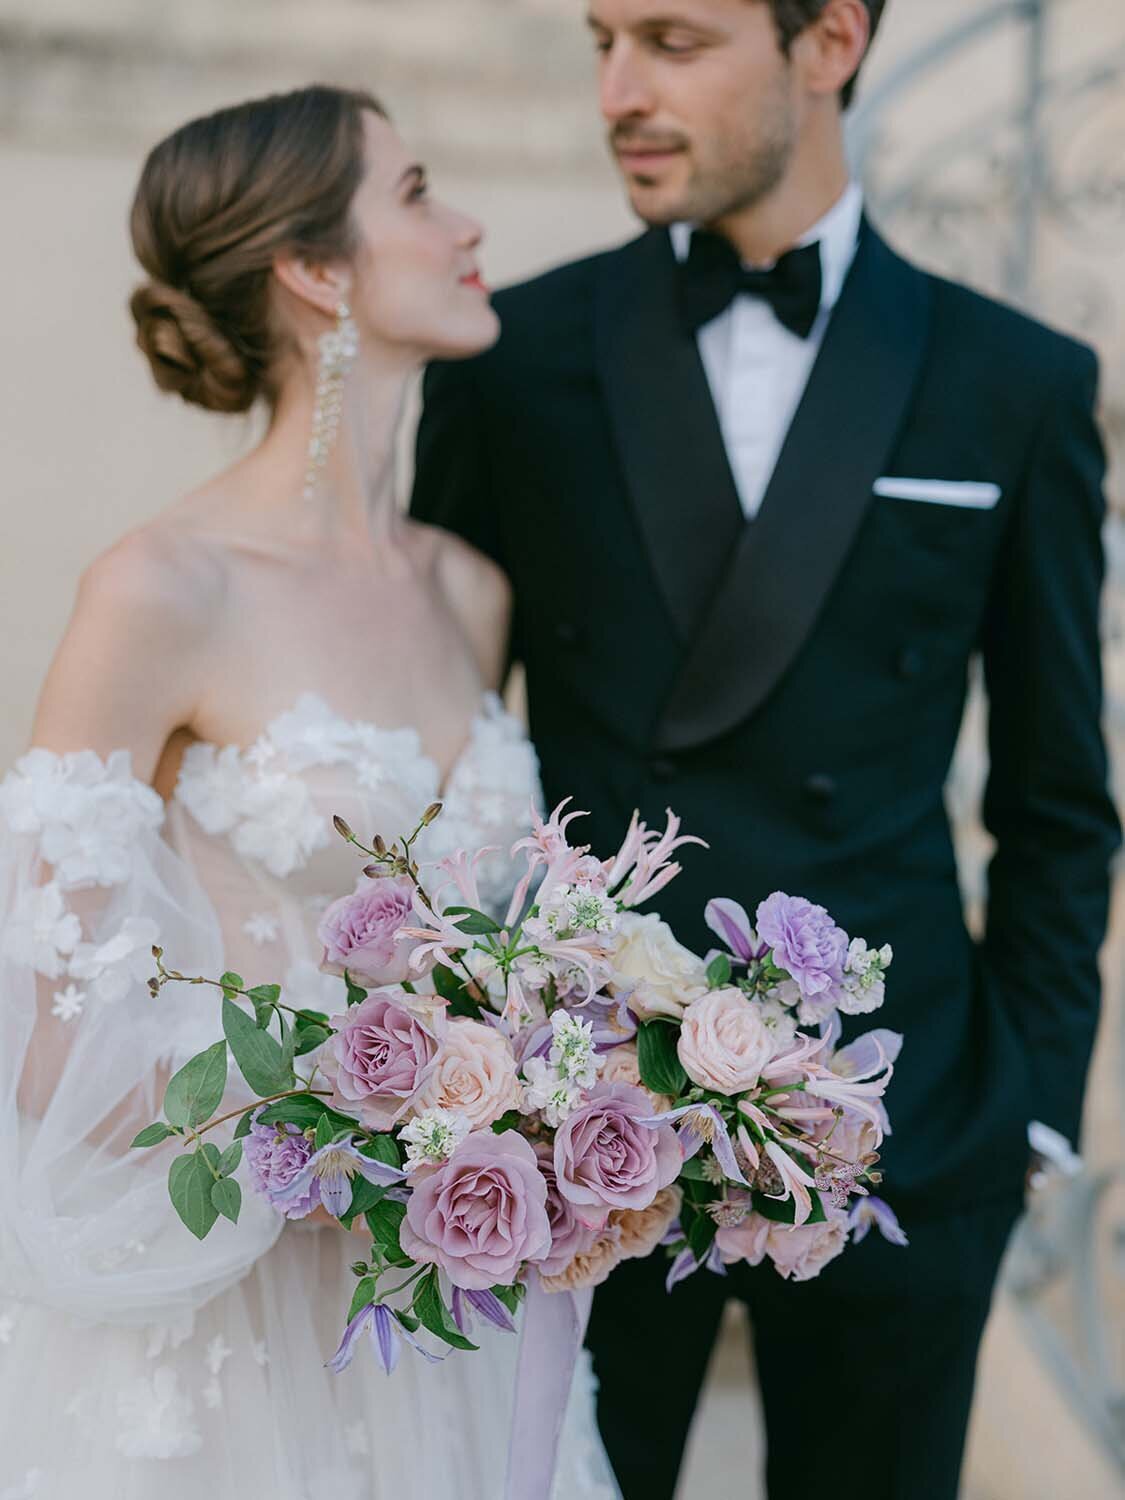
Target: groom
764,490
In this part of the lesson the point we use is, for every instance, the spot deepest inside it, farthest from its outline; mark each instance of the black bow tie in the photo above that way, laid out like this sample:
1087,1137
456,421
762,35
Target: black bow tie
712,276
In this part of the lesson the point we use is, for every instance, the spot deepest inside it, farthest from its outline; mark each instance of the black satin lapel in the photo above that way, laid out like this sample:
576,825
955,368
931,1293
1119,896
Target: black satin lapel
668,438
786,563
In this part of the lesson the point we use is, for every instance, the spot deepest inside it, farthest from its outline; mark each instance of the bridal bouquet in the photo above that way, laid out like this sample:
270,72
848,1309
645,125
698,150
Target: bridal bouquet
547,1094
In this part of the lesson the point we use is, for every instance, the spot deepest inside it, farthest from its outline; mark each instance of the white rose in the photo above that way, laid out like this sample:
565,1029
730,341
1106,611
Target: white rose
665,978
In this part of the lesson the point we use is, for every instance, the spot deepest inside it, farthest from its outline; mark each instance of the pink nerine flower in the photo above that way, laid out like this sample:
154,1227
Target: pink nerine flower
474,1072
724,1043
605,1159
360,931
483,1214
380,1054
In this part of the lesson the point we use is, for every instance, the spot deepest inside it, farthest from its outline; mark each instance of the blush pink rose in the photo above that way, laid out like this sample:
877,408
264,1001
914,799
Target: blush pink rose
483,1214
569,1236
642,1229
359,932
724,1044
748,1241
604,1159
380,1054
801,1251
591,1266
474,1071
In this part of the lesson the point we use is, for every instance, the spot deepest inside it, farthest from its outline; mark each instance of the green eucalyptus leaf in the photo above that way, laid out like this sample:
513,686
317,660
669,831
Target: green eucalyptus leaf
288,1042
356,993
660,1066
189,1186
309,1035
152,1135
257,1054
232,983
324,1133
196,1091
264,997
242,1129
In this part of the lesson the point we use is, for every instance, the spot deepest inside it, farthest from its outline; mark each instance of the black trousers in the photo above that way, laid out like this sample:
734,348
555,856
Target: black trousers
866,1372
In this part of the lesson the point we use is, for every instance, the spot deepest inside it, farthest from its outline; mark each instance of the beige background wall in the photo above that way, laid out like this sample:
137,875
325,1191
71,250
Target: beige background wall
498,95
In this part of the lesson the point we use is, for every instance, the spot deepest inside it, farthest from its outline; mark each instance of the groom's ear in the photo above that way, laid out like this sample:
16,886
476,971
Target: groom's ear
316,284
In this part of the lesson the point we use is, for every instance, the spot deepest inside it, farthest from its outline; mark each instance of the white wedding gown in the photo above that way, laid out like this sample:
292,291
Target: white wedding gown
135,1362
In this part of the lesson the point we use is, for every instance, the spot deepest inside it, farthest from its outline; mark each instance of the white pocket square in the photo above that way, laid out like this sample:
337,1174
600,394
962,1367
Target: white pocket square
969,494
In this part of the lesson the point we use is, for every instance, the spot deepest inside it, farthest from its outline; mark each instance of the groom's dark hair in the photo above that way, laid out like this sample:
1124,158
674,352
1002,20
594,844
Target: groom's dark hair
792,16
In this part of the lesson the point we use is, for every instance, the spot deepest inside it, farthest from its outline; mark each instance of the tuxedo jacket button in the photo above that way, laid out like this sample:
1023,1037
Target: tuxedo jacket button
662,769
820,787
910,664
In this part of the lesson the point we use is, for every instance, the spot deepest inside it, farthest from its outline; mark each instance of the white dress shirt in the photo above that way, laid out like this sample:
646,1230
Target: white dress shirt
756,367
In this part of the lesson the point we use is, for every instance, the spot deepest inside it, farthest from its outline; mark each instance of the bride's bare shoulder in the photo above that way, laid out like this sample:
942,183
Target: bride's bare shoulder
165,567
477,592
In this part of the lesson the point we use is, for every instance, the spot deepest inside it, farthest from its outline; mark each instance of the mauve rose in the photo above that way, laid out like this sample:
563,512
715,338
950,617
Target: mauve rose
590,1267
806,943
569,1236
380,1054
483,1214
801,1251
642,1229
747,1241
724,1044
474,1072
605,1160
358,931
274,1156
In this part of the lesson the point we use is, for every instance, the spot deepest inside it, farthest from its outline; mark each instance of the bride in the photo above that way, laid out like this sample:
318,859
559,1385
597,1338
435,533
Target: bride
280,646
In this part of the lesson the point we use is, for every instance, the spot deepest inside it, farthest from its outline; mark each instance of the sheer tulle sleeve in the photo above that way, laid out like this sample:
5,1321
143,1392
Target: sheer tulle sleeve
87,886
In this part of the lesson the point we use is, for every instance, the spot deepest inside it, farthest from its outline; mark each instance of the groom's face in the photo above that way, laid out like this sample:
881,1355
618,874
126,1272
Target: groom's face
701,101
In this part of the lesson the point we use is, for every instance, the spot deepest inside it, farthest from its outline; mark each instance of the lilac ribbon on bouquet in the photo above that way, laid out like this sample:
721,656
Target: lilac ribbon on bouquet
554,1325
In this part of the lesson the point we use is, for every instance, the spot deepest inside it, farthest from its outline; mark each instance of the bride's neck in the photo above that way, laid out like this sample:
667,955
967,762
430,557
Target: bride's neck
353,495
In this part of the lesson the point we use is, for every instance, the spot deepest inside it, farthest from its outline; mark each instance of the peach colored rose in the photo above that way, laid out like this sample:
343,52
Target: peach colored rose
474,1071
665,977
621,1066
589,1267
801,1251
642,1229
724,1044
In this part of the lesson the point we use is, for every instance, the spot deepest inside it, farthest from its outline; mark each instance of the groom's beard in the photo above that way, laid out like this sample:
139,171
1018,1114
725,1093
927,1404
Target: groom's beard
721,182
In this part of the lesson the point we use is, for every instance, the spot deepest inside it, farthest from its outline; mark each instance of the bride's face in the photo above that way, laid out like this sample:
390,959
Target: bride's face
416,280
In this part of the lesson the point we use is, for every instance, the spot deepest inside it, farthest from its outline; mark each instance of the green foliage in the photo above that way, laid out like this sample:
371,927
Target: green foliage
264,998
312,1030
196,1091
226,1197
434,1315
382,1148
384,1222
718,972
510,1296
660,1066
356,994
700,1230
152,1135
232,984
242,1129
365,1195
471,922
230,1159
508,1121
190,1181
258,1055
363,1294
324,1133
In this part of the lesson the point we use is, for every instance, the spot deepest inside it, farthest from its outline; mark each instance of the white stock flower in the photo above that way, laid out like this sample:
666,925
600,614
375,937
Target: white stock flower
572,1050
41,931
544,1090
573,909
115,966
864,978
433,1136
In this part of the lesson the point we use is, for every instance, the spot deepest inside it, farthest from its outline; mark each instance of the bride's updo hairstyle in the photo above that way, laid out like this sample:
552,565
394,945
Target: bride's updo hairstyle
218,200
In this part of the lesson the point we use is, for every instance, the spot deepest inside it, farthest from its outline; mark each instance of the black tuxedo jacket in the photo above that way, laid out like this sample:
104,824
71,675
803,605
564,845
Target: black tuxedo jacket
793,685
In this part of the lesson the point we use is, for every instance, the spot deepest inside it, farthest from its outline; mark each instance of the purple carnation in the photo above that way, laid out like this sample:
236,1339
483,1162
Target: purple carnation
807,944
275,1155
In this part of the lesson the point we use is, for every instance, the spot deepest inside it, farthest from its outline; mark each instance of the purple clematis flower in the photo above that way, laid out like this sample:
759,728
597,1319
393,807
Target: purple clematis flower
387,1337
486,1303
332,1169
701,1125
730,923
873,1211
685,1265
